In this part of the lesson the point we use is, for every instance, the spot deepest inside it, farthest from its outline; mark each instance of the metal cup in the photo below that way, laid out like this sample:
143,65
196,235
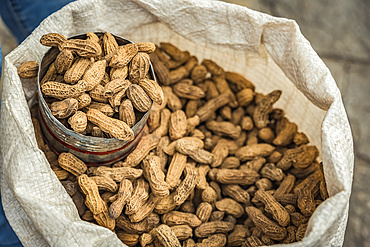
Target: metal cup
94,151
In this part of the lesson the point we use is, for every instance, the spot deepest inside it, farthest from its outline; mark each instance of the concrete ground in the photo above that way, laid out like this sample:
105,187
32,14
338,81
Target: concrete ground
340,32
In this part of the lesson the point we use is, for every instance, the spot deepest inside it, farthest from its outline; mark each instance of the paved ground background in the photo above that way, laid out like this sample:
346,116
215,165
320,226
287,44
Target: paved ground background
340,32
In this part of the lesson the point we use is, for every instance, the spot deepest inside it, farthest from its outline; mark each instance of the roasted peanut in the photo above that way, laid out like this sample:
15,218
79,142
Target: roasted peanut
128,238
184,90
213,241
173,102
264,107
118,173
250,151
115,100
286,186
186,186
72,164
83,100
300,157
272,206
145,209
211,106
90,189
146,238
145,47
139,67
123,55
245,97
209,195
63,61
94,74
115,86
182,232
239,81
139,196
291,232
165,204
92,37
198,74
236,192
109,43
153,90
162,130
224,129
166,236
209,228
140,100
62,91
104,220
162,72
124,194
220,152
154,119
212,67
50,75
126,113
148,224
271,229
217,216
254,164
119,73
60,173
271,172
233,176
155,176
231,207
83,48
164,141
76,71
252,241
174,218
193,151
238,236
187,207
177,125
116,128
230,163
301,232
146,144
78,121
204,211
28,69
102,107
306,191
105,183
285,136
300,139
53,39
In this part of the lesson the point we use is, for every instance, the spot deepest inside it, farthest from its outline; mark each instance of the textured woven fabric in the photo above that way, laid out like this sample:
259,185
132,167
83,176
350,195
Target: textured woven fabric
22,16
269,51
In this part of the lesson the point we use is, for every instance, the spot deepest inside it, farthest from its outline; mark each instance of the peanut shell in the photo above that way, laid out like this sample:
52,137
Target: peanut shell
116,128
78,121
140,100
28,69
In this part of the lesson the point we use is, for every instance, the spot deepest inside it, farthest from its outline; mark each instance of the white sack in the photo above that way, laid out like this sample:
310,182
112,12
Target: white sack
269,51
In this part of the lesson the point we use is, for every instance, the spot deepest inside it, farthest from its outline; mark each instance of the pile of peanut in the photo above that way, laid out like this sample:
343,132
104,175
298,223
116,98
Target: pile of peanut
218,165
95,86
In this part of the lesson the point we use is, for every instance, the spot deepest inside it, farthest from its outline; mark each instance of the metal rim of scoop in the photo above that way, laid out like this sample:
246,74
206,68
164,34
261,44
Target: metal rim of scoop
42,65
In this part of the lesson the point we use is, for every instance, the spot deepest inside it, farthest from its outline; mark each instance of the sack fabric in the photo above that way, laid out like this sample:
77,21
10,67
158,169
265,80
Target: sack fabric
271,52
